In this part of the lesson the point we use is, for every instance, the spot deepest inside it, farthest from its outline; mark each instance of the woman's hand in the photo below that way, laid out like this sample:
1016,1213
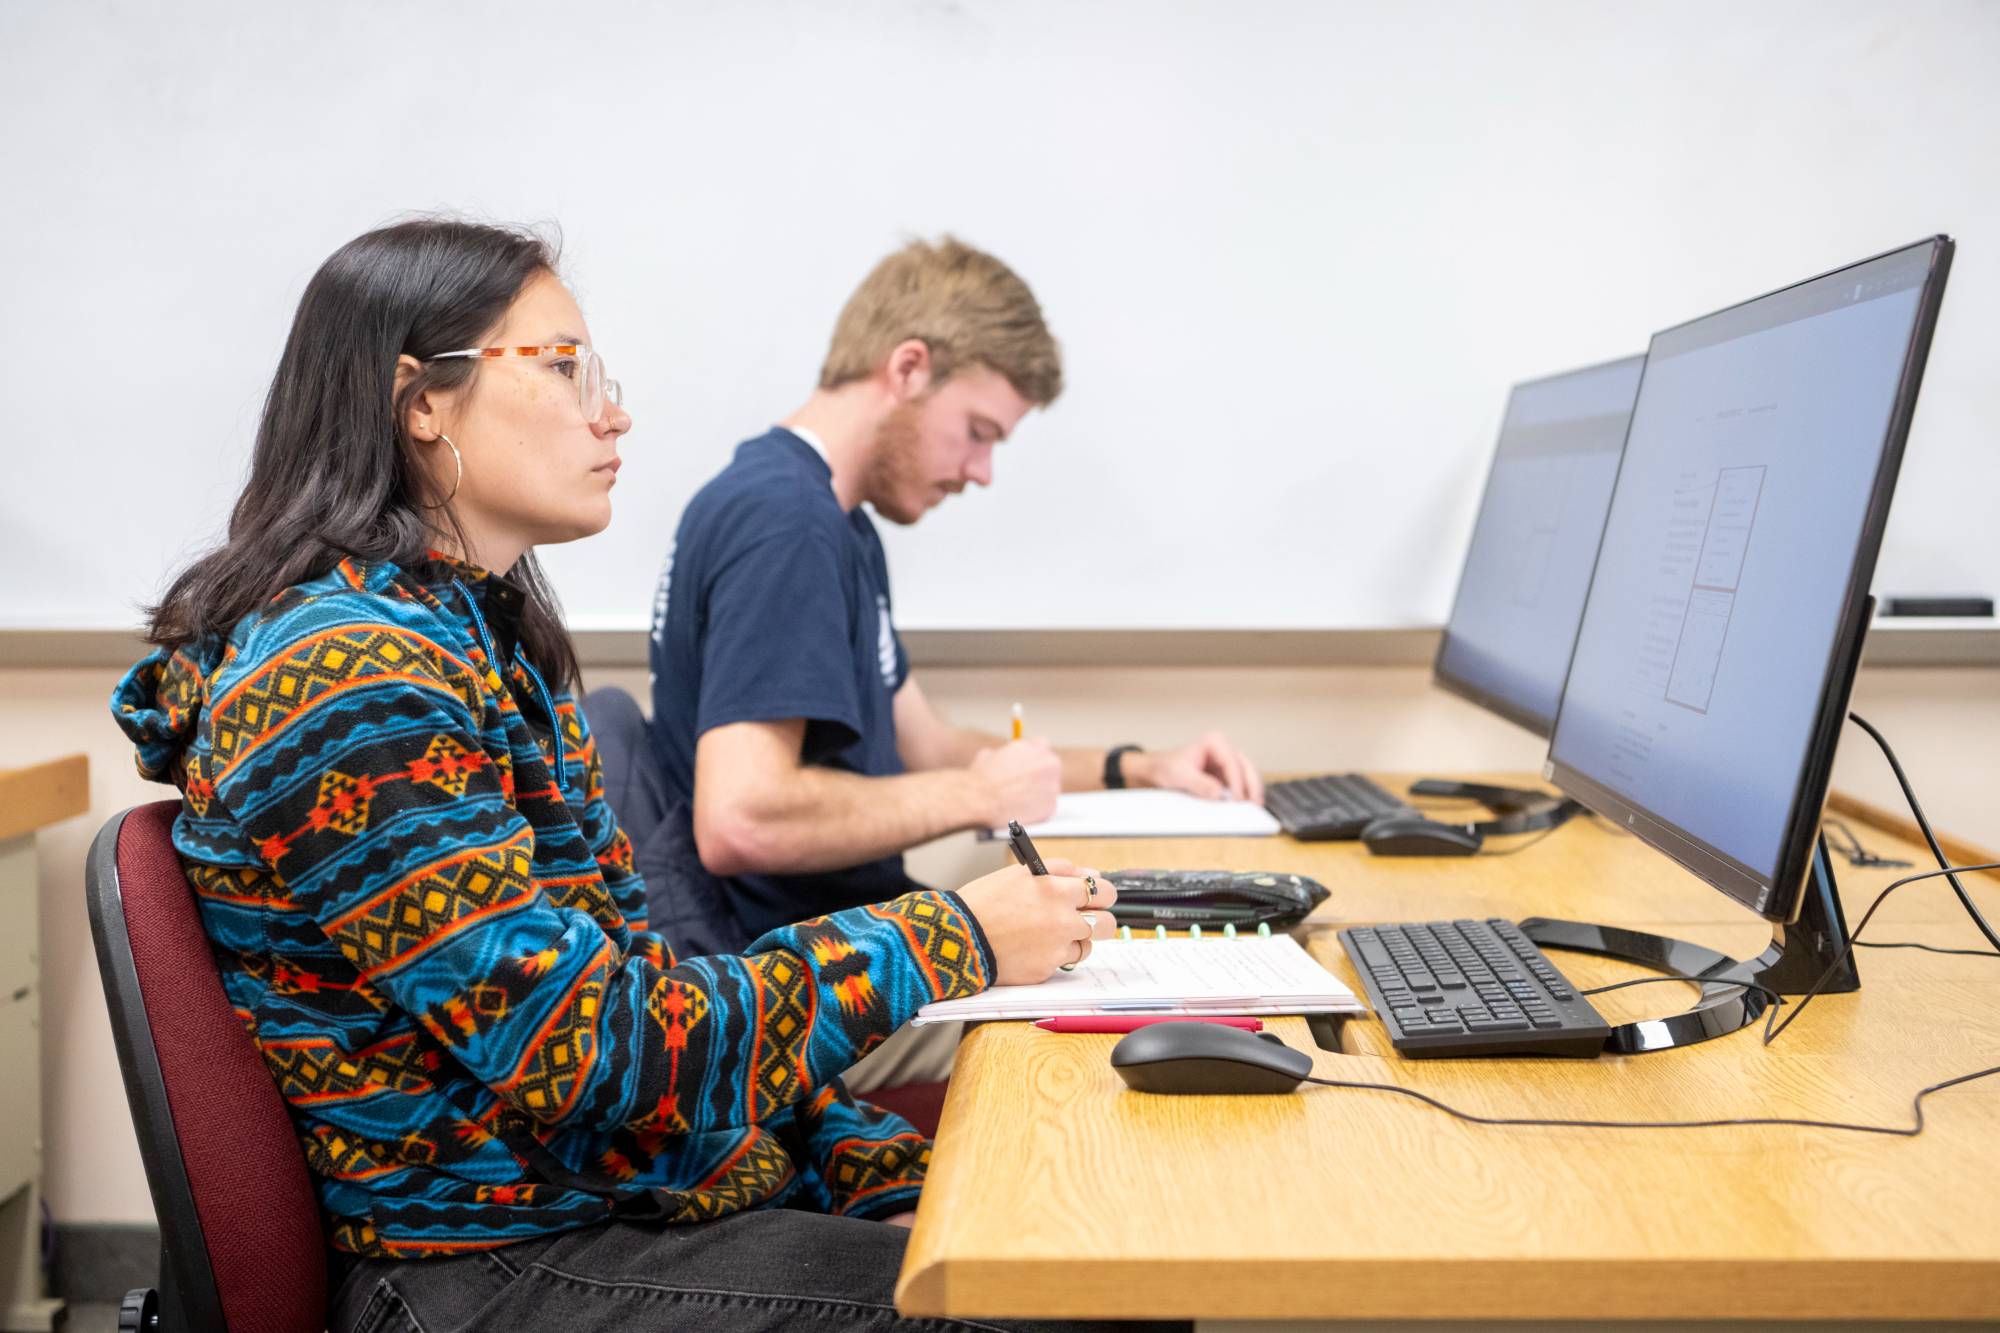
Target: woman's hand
1037,923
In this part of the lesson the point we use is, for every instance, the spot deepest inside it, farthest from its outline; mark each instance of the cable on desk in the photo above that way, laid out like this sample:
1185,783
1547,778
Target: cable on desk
1856,854
1923,823
1927,948
1896,1131
1950,872
1772,1028
1692,980
1519,846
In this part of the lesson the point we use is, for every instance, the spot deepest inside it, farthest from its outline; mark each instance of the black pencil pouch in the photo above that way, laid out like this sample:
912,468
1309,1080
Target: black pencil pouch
1245,899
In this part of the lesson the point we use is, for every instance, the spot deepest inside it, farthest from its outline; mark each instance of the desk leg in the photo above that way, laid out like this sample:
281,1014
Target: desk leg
23,1307
22,1304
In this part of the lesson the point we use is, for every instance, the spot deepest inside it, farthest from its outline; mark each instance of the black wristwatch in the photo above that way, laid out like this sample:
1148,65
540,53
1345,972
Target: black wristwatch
1114,772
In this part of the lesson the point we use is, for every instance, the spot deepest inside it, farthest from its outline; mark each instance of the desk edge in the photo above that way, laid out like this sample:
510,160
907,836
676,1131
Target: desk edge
41,794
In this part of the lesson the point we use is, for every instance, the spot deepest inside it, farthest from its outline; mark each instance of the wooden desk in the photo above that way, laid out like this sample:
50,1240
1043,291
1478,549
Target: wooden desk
1056,1191
30,798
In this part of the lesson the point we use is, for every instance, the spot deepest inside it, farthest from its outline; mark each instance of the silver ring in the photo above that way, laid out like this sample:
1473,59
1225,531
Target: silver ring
1081,945
1091,919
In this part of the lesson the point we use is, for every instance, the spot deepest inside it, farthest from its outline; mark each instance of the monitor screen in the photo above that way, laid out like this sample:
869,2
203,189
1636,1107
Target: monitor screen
1513,621
1718,638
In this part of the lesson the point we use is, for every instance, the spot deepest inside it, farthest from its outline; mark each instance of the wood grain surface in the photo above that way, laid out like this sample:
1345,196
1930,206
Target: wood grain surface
1055,1191
41,794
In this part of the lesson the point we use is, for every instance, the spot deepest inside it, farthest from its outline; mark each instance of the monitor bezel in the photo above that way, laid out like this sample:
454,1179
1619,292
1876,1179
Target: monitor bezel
1780,898
1503,708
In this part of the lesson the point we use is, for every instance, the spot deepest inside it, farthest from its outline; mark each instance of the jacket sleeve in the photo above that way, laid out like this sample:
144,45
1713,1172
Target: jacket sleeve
866,1161
372,769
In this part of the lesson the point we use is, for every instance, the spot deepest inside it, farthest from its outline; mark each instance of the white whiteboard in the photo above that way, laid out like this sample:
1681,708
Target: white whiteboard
1295,250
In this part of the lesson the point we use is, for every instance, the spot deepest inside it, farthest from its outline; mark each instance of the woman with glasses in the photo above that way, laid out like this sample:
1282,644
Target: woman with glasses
520,1110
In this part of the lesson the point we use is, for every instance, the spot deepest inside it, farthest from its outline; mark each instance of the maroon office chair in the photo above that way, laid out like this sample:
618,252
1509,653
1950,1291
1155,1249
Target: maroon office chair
240,1241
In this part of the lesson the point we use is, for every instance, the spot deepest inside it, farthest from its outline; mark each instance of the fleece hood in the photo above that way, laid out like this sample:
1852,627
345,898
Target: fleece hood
160,702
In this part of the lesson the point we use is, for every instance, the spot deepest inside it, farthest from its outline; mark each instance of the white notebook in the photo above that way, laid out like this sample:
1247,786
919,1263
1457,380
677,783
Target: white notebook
1151,813
1250,974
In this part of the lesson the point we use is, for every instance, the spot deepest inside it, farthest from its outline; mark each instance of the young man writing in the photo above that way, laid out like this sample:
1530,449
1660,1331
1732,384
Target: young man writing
783,703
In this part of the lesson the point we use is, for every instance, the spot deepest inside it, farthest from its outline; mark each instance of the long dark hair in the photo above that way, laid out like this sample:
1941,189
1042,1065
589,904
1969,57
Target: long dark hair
334,472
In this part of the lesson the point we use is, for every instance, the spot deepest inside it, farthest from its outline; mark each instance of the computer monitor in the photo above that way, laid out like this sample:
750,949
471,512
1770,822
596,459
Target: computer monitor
1513,620
1724,618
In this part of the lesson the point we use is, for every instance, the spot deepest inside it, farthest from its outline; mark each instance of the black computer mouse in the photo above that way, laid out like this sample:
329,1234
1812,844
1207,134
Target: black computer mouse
1413,835
1207,1058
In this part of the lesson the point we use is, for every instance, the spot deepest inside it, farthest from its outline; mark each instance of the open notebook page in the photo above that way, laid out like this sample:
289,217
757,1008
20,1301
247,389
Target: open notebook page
1246,975
1151,813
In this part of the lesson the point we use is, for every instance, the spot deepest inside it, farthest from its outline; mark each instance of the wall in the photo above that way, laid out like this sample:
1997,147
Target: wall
1298,719
1302,239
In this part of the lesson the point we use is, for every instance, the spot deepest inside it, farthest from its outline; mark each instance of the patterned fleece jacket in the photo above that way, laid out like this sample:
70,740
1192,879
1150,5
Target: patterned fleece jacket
427,917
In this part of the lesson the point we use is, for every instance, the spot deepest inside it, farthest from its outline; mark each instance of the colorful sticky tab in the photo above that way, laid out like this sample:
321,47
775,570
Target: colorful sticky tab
1194,931
1263,930
1229,930
1124,932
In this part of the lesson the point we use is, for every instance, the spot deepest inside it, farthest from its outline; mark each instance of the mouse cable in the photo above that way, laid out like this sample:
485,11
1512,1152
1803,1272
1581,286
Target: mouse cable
1519,846
1899,1131
1910,1131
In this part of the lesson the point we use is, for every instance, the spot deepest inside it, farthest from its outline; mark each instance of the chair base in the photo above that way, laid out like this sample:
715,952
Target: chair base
140,1311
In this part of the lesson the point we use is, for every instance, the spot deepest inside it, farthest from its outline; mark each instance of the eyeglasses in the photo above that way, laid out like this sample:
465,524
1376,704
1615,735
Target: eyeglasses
585,366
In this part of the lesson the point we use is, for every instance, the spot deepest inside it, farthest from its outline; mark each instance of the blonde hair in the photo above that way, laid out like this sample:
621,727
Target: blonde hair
966,306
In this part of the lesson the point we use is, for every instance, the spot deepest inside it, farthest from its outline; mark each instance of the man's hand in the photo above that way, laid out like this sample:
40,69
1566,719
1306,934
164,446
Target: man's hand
1209,766
1020,780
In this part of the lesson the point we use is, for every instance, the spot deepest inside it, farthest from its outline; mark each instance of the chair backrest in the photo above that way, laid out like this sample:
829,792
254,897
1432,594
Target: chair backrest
240,1236
687,905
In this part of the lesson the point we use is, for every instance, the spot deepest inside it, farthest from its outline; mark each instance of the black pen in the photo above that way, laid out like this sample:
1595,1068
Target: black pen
1024,848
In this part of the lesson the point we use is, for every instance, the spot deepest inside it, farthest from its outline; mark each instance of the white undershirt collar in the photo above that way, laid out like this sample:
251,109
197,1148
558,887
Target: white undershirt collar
818,445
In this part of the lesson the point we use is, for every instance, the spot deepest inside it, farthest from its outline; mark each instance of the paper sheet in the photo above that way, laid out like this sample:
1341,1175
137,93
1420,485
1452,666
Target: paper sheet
1246,975
1151,813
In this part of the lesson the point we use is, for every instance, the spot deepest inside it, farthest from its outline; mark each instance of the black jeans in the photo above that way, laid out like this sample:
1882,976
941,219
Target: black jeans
774,1269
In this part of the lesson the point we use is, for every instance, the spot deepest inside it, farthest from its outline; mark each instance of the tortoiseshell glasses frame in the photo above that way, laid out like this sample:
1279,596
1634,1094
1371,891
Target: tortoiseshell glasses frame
593,389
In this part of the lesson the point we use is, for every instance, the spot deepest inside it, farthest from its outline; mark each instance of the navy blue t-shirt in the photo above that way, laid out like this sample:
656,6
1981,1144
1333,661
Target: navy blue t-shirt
774,604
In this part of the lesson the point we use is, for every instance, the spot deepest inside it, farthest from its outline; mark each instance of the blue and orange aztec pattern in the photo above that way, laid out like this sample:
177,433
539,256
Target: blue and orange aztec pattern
427,917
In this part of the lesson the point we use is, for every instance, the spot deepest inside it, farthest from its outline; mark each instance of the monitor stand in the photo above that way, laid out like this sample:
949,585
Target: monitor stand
1500,800
1519,809
1800,954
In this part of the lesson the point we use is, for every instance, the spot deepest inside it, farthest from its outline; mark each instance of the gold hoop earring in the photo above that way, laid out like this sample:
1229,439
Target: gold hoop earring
458,475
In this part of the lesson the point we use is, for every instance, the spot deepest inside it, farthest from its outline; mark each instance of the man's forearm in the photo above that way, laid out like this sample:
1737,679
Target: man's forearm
819,819
1082,765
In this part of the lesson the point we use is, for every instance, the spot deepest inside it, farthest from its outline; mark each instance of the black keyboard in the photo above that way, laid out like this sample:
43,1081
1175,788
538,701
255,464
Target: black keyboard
1471,988
1338,805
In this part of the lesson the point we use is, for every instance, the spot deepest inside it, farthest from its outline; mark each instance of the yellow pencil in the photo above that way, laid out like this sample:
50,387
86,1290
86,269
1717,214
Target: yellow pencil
1020,727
